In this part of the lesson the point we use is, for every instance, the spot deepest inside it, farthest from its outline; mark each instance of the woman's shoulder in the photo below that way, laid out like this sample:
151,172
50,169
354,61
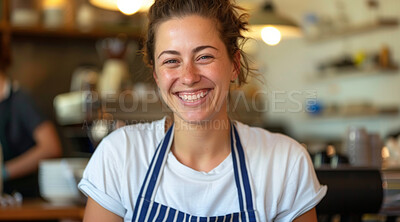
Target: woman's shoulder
134,138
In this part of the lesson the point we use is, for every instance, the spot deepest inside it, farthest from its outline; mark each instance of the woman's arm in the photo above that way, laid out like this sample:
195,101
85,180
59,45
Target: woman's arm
309,216
96,213
47,146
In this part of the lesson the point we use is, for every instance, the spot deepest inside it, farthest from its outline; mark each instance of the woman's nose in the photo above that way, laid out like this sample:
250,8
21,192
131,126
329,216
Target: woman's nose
190,75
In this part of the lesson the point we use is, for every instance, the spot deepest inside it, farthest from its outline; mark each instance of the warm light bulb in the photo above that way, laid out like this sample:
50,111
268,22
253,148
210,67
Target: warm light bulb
53,3
385,152
270,35
129,7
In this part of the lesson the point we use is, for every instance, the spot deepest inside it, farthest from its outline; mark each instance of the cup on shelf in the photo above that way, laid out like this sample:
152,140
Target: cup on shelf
24,13
376,145
85,18
54,13
53,18
363,148
356,146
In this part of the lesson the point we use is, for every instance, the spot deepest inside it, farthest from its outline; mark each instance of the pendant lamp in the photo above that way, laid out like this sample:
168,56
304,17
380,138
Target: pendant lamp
268,25
127,7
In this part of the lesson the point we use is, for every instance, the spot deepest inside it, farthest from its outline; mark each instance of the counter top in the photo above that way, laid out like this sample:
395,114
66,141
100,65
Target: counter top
37,209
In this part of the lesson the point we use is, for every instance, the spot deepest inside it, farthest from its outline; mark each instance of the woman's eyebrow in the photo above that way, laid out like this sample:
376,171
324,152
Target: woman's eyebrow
199,48
195,50
173,52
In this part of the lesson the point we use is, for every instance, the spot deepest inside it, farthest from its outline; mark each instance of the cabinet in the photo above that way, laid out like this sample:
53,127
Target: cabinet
132,28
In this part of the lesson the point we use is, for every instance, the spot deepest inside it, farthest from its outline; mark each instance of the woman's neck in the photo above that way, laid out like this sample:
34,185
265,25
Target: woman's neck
201,146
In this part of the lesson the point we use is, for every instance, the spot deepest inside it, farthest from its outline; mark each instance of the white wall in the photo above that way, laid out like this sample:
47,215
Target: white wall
290,66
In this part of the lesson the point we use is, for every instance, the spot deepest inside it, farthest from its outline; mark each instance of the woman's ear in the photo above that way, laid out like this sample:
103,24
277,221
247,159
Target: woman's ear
155,77
236,65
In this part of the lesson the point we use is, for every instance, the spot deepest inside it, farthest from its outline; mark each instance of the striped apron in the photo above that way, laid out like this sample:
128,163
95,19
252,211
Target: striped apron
146,209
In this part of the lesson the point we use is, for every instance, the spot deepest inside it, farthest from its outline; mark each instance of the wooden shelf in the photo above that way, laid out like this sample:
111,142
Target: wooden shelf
38,31
354,30
37,209
351,73
379,112
133,30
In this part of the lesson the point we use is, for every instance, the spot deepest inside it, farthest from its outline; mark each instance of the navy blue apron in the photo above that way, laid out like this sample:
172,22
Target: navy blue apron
146,209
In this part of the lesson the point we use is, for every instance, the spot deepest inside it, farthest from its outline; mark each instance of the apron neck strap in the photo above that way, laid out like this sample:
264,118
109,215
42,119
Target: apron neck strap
243,185
154,173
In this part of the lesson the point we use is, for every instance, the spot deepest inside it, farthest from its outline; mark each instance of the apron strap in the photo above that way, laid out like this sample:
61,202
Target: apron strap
246,196
153,175
158,166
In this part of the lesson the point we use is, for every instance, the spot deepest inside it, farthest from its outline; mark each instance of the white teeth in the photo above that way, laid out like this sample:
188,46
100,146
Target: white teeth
194,97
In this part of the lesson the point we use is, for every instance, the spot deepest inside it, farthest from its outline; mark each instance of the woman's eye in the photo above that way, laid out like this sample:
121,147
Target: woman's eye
170,61
205,58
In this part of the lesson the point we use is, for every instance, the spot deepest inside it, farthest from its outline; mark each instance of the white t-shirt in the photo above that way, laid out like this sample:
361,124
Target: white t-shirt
281,172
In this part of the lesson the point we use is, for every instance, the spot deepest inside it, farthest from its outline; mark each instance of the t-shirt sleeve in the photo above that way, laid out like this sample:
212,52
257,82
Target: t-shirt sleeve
29,113
101,178
303,190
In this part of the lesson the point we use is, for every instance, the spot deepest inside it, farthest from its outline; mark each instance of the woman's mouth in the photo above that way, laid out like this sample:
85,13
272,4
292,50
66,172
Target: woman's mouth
193,96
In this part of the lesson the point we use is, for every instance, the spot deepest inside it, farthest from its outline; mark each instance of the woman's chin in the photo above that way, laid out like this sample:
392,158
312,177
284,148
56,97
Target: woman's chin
194,117
199,118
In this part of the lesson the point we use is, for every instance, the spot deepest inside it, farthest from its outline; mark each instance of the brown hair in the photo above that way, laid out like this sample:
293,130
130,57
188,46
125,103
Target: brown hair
229,23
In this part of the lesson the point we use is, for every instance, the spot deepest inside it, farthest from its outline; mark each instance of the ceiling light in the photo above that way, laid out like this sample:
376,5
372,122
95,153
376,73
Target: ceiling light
127,7
271,35
269,26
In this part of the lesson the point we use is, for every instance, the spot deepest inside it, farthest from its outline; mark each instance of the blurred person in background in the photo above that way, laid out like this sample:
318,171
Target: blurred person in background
26,137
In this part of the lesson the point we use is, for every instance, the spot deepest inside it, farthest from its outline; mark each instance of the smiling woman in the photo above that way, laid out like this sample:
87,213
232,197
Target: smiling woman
198,165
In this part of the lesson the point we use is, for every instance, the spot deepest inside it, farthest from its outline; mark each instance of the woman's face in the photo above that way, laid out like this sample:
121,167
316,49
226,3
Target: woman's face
192,68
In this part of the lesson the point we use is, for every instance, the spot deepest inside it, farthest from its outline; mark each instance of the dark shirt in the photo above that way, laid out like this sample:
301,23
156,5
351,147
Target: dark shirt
19,118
